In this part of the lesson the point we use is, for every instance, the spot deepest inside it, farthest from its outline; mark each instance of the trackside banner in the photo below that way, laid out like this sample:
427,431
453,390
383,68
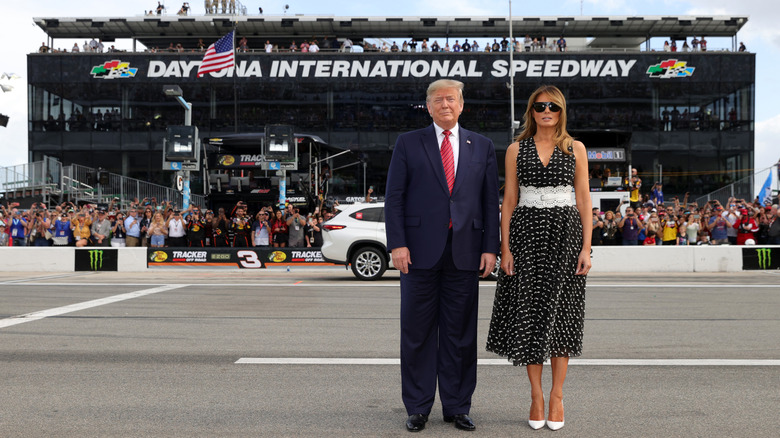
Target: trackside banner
243,258
760,259
96,259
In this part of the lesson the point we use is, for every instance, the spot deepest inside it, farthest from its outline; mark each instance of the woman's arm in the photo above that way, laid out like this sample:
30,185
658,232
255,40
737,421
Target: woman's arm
582,196
511,190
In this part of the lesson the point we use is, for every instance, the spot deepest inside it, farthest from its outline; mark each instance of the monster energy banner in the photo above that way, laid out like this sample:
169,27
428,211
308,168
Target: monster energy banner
97,259
760,258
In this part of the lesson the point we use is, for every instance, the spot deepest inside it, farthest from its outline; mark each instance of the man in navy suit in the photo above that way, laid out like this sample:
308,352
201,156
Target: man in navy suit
441,214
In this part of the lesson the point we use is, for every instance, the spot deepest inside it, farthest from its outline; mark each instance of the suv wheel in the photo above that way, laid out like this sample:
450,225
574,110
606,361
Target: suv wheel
368,264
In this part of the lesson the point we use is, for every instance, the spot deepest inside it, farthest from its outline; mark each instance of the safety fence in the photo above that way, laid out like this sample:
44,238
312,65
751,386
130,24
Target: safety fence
746,188
55,183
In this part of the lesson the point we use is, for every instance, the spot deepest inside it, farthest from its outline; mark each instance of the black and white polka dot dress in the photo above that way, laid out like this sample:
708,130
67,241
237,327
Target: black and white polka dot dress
538,313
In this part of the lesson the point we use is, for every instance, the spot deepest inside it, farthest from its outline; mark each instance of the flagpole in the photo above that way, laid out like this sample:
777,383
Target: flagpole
235,86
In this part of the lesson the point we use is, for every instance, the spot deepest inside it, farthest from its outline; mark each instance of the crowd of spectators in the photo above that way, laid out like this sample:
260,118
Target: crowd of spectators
149,223
221,7
423,46
695,46
655,222
314,45
651,221
91,46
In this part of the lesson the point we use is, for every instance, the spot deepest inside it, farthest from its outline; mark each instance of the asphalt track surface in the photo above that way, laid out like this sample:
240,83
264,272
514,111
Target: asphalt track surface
184,353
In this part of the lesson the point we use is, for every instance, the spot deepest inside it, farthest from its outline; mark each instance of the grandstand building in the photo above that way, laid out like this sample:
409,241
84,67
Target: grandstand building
689,114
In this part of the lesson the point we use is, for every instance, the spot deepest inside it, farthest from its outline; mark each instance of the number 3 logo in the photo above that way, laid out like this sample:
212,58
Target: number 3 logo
249,259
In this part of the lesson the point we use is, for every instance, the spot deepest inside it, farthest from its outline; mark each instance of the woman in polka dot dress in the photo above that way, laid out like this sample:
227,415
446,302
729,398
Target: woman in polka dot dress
545,252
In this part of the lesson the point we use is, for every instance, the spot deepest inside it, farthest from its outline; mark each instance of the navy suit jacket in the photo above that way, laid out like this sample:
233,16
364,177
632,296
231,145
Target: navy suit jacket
418,205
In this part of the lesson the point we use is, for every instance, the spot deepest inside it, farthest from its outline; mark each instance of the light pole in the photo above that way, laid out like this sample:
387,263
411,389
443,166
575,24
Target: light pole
513,123
175,92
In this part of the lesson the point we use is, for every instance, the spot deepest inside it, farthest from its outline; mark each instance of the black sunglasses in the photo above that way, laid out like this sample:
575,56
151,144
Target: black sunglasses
540,106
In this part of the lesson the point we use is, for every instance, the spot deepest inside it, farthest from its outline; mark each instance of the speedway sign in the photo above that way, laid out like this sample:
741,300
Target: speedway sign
426,67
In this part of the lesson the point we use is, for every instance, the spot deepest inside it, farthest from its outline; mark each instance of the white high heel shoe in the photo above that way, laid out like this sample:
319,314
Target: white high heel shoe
555,425
536,424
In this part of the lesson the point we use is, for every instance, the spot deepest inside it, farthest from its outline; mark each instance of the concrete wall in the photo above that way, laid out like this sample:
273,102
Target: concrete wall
605,259
31,259
132,259
667,259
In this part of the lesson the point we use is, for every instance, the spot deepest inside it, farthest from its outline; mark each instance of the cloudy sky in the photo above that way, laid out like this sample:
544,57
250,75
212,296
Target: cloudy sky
761,35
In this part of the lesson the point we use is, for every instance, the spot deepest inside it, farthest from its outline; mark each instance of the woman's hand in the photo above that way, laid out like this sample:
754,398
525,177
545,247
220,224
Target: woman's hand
583,263
507,263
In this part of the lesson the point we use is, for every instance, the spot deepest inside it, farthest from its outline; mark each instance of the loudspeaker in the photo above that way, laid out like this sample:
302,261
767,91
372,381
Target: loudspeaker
103,177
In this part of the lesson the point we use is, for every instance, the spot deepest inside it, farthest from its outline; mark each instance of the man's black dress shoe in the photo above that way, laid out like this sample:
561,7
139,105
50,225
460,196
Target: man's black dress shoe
462,421
416,422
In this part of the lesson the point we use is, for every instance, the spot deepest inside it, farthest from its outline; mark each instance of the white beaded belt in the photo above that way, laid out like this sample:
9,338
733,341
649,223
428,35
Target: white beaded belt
545,197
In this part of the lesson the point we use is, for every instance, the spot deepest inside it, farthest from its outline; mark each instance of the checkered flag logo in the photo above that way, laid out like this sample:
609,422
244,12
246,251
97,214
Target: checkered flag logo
114,69
671,68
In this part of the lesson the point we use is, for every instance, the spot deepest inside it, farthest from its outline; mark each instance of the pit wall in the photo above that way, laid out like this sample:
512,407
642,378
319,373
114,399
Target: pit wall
54,259
640,259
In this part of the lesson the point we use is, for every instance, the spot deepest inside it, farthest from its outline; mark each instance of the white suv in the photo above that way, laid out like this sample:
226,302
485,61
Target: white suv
356,237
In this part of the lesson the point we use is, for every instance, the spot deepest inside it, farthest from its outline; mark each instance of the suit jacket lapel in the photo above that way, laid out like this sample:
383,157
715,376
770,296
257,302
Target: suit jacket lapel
431,147
464,157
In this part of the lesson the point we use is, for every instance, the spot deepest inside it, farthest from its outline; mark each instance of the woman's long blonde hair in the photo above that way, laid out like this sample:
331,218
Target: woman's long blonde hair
562,137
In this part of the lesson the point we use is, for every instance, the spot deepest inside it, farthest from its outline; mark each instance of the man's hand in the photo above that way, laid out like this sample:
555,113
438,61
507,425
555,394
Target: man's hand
487,263
401,259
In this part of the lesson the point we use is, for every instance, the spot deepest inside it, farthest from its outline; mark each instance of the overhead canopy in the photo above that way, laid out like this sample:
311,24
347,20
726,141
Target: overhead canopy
162,30
250,142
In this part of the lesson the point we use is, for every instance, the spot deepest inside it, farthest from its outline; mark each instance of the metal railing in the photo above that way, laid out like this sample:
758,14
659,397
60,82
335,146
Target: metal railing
30,175
357,49
126,189
226,8
745,188
76,183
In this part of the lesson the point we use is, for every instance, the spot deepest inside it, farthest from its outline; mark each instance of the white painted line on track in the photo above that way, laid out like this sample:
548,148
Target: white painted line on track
573,362
696,285
304,283
34,316
46,277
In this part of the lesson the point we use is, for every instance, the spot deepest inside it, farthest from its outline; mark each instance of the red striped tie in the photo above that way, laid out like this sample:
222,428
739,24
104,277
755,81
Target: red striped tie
448,160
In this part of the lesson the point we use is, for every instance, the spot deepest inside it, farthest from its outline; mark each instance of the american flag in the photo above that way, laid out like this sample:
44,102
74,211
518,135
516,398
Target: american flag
218,56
